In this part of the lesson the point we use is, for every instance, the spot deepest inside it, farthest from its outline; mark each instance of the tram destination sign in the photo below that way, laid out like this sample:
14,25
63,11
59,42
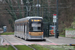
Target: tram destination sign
34,20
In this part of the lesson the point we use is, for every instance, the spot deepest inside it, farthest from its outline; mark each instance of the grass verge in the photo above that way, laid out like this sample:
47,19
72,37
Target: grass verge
23,47
6,47
7,33
62,35
62,47
53,47
73,37
39,47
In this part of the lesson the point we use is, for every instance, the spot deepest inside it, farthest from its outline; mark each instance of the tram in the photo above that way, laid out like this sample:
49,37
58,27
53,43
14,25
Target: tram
29,28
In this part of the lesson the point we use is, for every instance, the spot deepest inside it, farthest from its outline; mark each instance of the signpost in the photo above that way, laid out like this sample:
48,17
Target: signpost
54,21
54,18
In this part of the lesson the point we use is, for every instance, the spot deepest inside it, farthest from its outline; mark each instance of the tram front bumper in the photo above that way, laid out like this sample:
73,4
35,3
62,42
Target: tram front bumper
36,39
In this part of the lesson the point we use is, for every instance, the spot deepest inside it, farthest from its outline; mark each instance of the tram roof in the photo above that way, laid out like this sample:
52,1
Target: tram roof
27,18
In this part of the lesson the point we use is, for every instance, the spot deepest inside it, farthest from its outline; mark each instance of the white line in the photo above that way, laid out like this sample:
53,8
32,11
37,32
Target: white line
49,40
54,42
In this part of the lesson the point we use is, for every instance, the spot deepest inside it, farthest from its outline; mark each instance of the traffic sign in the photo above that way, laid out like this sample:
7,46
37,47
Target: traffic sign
54,18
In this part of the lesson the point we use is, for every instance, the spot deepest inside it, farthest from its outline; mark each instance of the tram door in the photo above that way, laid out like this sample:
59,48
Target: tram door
46,29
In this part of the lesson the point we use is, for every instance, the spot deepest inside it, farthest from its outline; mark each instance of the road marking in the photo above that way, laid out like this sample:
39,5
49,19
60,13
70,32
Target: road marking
49,40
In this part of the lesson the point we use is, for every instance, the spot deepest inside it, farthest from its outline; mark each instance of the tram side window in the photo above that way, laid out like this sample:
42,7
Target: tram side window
15,27
22,28
19,28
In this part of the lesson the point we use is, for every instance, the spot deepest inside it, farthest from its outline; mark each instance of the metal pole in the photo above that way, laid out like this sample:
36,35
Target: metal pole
38,8
56,35
33,8
27,10
27,7
54,28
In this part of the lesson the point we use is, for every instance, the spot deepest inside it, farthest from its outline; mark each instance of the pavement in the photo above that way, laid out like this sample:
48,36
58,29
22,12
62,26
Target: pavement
18,41
49,41
61,40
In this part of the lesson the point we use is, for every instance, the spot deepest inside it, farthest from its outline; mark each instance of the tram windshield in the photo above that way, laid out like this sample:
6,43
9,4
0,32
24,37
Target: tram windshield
36,26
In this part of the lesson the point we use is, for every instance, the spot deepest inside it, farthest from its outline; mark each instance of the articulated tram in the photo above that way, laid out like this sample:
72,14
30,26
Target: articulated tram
29,28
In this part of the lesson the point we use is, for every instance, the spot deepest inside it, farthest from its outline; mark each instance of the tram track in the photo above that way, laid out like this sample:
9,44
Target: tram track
27,45
10,43
18,42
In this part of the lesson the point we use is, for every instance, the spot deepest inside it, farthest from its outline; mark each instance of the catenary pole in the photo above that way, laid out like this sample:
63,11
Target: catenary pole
38,8
57,33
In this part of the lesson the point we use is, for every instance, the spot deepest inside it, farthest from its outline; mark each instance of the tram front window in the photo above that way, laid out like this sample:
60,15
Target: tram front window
36,27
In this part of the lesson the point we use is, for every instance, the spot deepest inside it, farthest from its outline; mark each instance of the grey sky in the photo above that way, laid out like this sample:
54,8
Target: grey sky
0,0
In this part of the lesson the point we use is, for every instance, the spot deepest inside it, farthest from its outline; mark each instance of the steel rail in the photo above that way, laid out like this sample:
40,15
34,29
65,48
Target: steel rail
27,45
10,44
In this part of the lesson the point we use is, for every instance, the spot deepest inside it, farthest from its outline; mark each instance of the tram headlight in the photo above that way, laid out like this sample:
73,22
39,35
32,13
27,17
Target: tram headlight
32,20
29,32
42,32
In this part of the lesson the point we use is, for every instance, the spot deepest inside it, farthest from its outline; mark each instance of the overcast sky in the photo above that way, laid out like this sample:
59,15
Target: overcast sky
0,0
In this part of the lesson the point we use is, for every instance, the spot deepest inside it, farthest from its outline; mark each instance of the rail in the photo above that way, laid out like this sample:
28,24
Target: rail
27,45
31,47
20,42
9,43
